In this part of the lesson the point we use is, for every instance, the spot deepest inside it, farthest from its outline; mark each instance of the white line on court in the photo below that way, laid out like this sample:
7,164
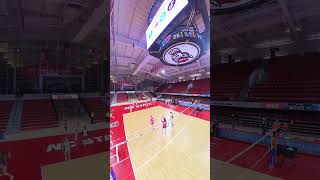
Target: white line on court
163,148
129,153
120,161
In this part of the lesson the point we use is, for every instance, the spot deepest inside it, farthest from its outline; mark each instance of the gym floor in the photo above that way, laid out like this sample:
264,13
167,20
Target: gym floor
181,153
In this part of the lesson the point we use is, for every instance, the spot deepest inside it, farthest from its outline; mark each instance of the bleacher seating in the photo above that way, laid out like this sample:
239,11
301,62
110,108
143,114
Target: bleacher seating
149,94
5,107
180,87
290,79
141,96
303,122
38,114
122,97
6,78
229,78
199,86
98,106
132,97
91,79
163,88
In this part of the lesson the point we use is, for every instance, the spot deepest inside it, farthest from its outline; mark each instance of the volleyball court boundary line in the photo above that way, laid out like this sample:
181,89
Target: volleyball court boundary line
156,154
138,134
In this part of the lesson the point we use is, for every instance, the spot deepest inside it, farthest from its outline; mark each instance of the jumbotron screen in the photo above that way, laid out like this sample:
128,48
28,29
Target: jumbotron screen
168,10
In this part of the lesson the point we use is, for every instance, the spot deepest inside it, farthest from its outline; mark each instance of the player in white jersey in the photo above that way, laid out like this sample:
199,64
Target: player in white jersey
172,119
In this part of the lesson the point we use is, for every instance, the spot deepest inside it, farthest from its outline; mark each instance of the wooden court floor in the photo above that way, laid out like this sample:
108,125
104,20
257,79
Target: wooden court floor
85,168
180,154
220,170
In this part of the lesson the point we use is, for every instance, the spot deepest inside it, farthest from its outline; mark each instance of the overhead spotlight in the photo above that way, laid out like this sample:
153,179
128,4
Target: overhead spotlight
163,71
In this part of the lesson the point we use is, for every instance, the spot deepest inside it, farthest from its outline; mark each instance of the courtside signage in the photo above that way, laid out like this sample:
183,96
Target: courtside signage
139,105
168,10
114,124
73,144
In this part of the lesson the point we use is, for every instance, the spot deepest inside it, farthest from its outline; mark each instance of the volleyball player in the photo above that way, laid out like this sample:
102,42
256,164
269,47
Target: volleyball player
164,125
66,147
4,160
152,122
172,119
131,107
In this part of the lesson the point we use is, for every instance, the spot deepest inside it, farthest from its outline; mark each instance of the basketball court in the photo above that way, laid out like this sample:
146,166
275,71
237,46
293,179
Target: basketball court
89,167
179,153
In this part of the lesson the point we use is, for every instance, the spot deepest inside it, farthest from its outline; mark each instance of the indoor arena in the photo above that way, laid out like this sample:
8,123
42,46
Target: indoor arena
265,111
52,84
160,90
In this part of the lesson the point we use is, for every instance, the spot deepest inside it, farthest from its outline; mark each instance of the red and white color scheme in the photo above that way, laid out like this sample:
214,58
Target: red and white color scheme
119,153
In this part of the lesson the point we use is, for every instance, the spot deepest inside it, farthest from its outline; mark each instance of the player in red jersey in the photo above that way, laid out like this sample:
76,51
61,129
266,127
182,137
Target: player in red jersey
164,124
152,122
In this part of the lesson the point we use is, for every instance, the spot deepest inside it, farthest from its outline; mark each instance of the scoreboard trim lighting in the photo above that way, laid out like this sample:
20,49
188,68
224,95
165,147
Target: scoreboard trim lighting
168,10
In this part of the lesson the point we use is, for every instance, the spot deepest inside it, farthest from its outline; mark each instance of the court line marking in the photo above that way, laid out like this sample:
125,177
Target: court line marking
135,169
136,135
162,149
120,161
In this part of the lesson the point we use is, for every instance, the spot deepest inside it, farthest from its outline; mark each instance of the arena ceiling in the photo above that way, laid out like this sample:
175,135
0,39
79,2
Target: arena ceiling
129,55
79,21
290,25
